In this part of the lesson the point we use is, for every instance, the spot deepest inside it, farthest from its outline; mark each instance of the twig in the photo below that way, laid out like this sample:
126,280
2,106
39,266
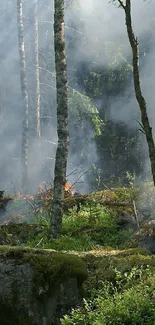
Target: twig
142,131
136,215
141,125
73,172
107,187
122,4
79,177
30,203
39,242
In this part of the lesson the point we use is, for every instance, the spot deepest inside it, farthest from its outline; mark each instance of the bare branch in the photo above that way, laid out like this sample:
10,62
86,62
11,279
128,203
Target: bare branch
122,4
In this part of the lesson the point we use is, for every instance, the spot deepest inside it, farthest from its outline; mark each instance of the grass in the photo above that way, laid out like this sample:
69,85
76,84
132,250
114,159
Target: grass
89,229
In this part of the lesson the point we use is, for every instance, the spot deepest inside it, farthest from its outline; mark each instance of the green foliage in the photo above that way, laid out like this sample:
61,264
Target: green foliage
69,243
93,226
128,302
82,109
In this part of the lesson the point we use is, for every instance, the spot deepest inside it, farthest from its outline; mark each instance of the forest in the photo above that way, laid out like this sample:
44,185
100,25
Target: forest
104,133
77,185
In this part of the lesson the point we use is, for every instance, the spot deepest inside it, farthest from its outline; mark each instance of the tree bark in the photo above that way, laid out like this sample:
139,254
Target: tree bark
138,92
62,120
24,155
37,100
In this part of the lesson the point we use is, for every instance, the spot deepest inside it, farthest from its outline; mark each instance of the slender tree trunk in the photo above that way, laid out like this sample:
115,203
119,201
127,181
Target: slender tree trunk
37,100
24,156
62,120
138,92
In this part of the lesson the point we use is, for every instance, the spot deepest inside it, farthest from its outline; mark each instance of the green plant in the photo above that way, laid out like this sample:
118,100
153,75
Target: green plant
132,306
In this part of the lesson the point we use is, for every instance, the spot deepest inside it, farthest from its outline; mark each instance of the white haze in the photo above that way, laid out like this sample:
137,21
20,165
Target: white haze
100,20
103,20
106,22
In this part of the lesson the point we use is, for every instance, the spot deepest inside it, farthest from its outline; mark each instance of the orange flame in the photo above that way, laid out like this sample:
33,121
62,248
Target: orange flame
67,186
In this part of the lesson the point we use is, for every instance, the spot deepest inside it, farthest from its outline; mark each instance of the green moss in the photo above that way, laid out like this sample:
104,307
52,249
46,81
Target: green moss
124,194
134,251
50,267
103,268
126,263
55,267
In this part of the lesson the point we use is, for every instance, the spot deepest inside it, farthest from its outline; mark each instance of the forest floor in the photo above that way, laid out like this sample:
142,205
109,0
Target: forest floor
113,232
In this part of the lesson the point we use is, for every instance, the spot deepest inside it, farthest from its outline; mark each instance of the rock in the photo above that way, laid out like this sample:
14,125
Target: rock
102,267
145,237
38,287
128,220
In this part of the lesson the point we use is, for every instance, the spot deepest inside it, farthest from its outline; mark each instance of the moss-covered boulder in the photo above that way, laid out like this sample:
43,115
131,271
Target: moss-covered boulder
104,266
37,287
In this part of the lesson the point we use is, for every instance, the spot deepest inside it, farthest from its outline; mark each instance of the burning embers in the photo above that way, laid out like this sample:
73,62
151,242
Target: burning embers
47,193
68,190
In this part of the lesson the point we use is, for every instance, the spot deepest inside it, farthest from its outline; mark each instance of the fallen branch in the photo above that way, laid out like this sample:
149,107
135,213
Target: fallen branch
70,202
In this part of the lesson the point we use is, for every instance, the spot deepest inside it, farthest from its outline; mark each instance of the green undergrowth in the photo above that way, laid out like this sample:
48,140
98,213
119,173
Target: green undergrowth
120,289
91,227
132,306
102,266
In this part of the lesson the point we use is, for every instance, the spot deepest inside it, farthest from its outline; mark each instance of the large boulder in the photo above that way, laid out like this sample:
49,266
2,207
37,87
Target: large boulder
37,287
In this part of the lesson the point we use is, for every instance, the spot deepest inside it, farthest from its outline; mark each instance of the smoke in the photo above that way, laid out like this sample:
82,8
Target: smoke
103,26
89,25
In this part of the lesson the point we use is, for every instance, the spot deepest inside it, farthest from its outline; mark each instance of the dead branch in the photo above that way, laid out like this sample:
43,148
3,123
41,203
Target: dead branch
86,198
122,4
80,177
136,215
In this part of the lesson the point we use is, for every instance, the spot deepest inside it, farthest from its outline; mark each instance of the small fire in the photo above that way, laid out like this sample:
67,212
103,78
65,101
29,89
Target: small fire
47,194
68,188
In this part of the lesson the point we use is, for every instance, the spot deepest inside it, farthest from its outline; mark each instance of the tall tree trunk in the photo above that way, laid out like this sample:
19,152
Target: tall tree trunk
24,156
37,100
138,92
62,120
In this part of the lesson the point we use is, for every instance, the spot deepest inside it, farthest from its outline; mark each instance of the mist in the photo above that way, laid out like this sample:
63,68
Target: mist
95,20
104,21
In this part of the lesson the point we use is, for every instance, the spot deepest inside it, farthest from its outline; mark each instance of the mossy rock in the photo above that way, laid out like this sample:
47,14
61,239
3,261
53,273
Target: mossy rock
103,268
47,263
134,251
36,283
8,315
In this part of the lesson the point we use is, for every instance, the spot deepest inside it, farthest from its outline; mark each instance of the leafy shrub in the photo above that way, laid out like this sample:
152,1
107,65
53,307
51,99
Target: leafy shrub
132,306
